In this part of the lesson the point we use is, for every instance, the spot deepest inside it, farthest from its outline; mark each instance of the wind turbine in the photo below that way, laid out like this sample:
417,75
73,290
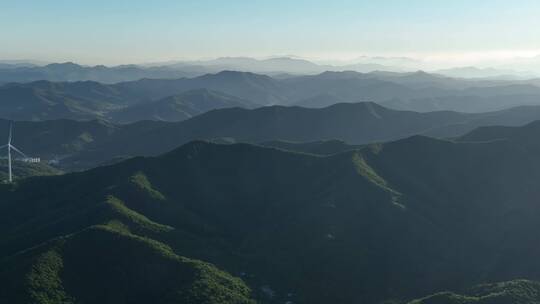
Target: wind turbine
9,147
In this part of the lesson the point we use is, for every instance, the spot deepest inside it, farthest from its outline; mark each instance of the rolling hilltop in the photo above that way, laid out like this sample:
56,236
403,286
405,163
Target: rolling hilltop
389,221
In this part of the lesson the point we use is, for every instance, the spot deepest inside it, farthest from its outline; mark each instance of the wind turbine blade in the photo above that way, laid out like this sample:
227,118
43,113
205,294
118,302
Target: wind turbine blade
10,132
2,147
12,147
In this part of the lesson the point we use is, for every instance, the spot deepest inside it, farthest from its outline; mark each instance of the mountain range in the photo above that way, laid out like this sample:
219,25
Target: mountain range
83,144
383,223
70,71
21,71
179,107
44,100
494,73
149,99
28,70
192,183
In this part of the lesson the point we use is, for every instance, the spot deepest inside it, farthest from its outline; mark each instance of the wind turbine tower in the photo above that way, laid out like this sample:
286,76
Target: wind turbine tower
9,147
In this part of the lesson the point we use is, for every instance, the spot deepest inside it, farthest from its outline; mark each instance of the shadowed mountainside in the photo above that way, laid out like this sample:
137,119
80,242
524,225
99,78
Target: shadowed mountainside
344,228
513,292
85,144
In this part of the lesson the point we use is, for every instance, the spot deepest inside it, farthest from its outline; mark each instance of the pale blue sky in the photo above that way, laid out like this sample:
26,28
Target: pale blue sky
113,32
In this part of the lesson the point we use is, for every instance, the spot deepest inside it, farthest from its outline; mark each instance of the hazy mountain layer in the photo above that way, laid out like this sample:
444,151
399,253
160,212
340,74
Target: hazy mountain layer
179,107
73,72
85,144
43,100
418,91
47,100
20,71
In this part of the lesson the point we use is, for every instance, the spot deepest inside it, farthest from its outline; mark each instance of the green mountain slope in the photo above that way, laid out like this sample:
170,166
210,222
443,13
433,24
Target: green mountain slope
326,147
391,221
513,292
23,170
60,140
108,264
215,216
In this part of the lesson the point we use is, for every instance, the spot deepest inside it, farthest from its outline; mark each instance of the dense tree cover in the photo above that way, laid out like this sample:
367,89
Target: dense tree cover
387,222
513,292
23,170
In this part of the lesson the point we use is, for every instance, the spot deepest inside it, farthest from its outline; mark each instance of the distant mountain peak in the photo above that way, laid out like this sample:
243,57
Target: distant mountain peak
232,72
67,64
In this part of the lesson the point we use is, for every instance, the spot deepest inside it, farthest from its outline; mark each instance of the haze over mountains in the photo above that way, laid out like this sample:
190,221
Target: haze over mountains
270,152
419,91
180,107
26,71
70,71
286,182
